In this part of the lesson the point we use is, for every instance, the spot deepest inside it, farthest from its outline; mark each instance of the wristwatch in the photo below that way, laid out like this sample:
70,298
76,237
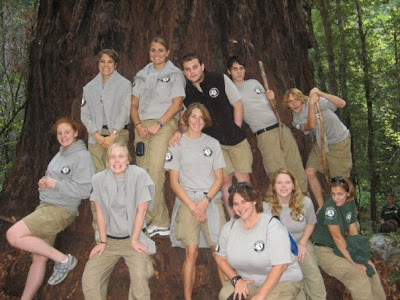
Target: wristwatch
115,131
160,123
235,279
208,198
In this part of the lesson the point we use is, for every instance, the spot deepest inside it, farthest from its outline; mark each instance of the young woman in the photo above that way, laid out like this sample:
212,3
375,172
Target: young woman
336,217
285,200
253,252
337,136
195,170
67,181
157,95
122,194
105,111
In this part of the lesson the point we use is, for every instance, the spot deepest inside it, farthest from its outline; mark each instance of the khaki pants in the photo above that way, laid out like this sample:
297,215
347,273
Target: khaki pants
361,287
99,156
98,271
281,291
274,158
155,151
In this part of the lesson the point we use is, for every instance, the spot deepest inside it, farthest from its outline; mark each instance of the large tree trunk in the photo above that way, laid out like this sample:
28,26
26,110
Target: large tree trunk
62,60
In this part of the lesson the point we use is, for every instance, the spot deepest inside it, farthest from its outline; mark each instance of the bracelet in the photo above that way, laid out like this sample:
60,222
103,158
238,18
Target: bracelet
136,125
301,244
235,279
103,242
208,198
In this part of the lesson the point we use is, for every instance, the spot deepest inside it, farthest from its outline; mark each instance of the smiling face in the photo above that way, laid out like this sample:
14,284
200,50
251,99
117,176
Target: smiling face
284,186
107,66
66,135
339,195
193,71
242,208
158,55
294,104
118,161
237,72
195,122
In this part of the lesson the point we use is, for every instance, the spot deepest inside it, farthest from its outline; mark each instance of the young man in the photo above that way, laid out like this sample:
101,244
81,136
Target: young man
263,123
390,211
218,93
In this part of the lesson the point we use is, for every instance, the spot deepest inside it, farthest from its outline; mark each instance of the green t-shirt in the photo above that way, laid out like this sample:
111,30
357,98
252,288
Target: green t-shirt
331,214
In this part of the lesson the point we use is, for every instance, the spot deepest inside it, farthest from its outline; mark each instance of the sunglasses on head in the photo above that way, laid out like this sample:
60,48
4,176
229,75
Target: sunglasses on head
339,179
239,186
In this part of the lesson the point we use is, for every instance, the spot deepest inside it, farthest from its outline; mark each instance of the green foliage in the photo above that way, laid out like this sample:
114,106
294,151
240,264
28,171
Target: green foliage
382,27
17,23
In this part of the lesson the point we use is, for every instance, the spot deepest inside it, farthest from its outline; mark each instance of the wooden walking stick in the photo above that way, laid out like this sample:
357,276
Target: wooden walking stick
322,133
272,102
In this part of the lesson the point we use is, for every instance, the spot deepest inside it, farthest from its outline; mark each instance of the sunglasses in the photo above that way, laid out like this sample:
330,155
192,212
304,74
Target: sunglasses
339,179
239,186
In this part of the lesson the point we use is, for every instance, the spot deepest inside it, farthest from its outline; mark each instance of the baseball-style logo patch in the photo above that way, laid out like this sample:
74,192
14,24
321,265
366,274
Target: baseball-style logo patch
83,102
207,151
330,213
165,79
65,170
348,216
301,218
169,156
259,246
213,92
257,90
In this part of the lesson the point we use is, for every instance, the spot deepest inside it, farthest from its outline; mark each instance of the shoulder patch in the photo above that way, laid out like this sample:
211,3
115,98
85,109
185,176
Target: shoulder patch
168,156
330,213
348,217
83,102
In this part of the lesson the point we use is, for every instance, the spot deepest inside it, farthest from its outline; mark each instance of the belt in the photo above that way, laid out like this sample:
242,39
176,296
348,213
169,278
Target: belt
106,127
276,125
320,245
118,237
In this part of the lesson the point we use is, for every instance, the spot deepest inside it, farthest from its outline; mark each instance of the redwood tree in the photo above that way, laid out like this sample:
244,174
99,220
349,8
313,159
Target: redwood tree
62,61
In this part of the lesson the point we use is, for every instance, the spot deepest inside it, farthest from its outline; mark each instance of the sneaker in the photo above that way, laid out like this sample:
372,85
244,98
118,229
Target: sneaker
153,230
60,270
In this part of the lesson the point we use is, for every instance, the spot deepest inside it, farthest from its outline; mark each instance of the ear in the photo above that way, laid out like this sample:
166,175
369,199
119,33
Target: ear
229,71
202,67
167,53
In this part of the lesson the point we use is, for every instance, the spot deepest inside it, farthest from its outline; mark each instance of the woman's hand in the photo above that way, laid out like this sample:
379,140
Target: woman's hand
99,139
42,183
153,129
175,139
241,289
361,268
302,252
98,249
47,183
139,247
142,131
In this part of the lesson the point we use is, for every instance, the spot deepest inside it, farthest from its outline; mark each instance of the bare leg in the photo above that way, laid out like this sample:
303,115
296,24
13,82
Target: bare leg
225,195
19,236
315,186
35,276
242,177
221,275
189,270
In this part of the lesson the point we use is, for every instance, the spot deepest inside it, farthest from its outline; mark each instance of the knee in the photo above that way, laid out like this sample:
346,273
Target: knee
12,236
311,172
191,254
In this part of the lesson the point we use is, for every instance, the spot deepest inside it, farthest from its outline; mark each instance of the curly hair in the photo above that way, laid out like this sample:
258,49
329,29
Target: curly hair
296,199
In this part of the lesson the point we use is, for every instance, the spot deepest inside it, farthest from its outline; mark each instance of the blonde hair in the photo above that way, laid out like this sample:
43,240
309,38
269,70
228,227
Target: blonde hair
161,41
296,94
296,199
117,145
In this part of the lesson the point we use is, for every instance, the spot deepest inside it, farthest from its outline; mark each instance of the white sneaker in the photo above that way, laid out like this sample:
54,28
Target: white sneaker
60,270
153,230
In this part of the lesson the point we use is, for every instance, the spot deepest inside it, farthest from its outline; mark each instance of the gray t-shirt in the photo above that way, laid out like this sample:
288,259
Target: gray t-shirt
257,110
196,160
296,228
335,131
253,253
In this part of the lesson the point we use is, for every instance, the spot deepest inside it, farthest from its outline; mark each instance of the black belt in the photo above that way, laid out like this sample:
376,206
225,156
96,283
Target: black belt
106,127
276,125
118,237
320,245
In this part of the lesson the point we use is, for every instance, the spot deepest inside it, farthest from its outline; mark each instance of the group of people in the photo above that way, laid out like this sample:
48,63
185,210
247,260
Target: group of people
189,123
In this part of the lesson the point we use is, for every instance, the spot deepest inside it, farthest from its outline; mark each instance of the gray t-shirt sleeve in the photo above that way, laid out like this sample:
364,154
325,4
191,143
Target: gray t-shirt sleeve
326,104
145,196
278,236
223,240
309,212
172,161
178,86
231,91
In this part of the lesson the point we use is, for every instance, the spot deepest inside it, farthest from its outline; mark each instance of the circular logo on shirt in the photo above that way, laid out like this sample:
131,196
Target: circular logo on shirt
330,213
301,218
83,102
213,92
169,156
165,79
298,126
207,151
348,216
317,115
217,248
133,84
65,170
257,90
259,246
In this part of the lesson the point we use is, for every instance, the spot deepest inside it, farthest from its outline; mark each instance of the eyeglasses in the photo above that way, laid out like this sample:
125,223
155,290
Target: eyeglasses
338,179
239,186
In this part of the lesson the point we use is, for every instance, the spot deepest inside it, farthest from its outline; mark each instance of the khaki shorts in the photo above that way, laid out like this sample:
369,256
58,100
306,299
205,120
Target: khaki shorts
187,229
238,158
48,220
338,159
